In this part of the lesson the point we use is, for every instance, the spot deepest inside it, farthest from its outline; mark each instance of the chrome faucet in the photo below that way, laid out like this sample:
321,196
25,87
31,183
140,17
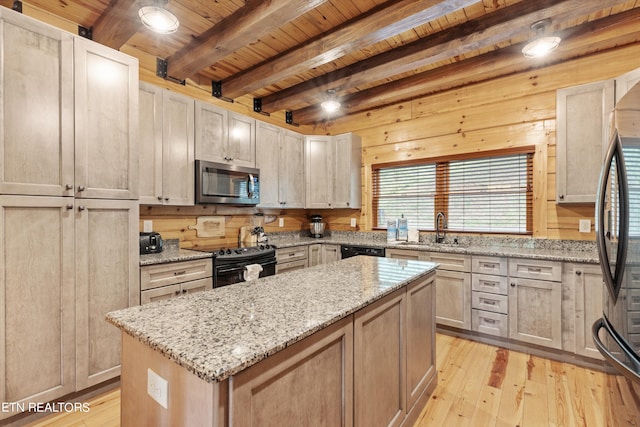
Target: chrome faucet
441,227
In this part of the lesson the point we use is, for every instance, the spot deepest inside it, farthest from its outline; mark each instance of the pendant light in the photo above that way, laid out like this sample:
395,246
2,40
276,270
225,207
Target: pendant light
158,19
331,105
541,44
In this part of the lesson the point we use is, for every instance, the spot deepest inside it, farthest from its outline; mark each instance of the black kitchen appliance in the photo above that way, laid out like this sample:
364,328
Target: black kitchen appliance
348,251
150,243
229,264
617,333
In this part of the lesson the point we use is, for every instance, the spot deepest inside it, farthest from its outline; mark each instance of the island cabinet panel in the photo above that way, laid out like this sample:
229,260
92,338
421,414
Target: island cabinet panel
421,328
107,279
206,404
37,322
307,384
380,397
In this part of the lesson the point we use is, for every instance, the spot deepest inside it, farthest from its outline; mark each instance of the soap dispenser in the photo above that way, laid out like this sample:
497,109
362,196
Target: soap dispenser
403,229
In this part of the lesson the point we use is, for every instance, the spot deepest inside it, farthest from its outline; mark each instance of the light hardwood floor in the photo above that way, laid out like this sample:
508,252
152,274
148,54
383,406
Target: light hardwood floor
478,386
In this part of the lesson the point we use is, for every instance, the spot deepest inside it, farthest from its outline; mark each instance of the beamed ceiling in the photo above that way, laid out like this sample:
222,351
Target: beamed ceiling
372,53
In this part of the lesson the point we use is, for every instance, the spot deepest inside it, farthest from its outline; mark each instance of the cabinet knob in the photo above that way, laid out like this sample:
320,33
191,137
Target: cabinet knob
513,285
166,199
561,197
80,187
178,292
159,198
184,291
81,208
68,187
69,207
578,272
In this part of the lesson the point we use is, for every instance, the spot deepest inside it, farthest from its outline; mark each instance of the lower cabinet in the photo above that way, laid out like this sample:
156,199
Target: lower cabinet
322,253
164,281
588,292
292,258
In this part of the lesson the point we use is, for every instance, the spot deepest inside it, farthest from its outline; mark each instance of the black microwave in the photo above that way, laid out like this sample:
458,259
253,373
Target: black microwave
226,184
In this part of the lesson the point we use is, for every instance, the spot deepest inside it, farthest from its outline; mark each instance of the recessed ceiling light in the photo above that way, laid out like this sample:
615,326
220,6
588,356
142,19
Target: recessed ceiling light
158,19
541,44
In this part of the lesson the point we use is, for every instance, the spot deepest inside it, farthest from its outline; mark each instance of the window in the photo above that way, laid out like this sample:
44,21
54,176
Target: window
489,194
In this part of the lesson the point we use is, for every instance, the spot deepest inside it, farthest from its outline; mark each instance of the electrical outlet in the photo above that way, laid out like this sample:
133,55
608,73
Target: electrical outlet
353,222
147,226
585,226
281,222
157,388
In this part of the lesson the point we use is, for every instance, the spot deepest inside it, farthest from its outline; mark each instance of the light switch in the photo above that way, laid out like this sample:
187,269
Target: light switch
157,388
585,226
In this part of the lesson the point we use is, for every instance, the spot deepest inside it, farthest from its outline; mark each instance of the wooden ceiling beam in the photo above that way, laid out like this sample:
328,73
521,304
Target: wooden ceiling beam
252,21
506,24
117,24
381,23
615,30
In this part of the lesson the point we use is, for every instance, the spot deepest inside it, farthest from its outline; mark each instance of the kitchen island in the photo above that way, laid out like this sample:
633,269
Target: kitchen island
347,343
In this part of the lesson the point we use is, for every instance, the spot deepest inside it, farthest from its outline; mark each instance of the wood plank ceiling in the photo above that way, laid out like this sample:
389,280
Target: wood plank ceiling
291,53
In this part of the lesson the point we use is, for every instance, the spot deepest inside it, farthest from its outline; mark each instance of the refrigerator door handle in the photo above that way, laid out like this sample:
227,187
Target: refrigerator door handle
610,357
613,282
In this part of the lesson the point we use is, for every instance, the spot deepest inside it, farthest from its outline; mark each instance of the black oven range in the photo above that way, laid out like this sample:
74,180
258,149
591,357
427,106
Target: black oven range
229,264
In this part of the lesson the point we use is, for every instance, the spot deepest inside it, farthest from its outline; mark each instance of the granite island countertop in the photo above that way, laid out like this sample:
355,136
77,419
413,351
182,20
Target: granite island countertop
218,333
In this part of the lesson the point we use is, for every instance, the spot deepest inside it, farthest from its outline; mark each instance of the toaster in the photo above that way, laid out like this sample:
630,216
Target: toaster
150,243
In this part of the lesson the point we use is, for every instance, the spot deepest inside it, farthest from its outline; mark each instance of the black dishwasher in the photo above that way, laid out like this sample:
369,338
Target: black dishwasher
352,250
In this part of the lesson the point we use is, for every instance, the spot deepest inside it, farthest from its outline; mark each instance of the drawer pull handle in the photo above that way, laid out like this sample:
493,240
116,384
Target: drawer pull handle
635,300
485,265
534,270
491,284
635,276
489,320
489,301
179,273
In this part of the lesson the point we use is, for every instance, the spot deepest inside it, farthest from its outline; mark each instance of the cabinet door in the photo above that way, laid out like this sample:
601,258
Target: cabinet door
36,81
107,279
535,312
197,286
582,121
242,140
291,170
330,253
37,320
626,82
159,294
380,393
315,254
421,332
453,298
106,122
211,132
177,149
318,172
150,144
347,171
588,290
267,160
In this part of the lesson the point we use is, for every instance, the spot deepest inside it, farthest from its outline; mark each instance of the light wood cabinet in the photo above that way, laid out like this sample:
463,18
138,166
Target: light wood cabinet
292,258
333,171
535,306
406,254
322,253
280,158
168,280
37,321
453,289
86,98
582,122
224,136
588,292
626,82
106,122
107,279
166,147
380,392
489,295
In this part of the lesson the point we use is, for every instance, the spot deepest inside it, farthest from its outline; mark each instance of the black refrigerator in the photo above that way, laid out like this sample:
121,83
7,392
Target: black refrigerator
617,333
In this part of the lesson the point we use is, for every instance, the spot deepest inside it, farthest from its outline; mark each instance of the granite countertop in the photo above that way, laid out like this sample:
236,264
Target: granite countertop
565,251
218,333
172,253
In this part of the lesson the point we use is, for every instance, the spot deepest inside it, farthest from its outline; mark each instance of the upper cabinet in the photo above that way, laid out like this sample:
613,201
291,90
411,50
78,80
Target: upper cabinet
224,136
280,158
626,82
582,129
84,97
166,147
333,172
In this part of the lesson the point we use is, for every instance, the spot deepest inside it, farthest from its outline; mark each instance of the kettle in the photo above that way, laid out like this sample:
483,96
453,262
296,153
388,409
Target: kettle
150,243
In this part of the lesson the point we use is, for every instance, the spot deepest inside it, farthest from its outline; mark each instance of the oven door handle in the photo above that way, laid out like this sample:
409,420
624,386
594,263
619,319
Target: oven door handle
240,268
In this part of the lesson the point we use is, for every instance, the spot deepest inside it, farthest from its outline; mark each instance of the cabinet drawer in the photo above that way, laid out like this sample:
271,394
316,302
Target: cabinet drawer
291,254
452,262
289,266
491,284
633,300
496,266
490,302
633,322
489,323
633,278
154,276
159,294
634,340
535,269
